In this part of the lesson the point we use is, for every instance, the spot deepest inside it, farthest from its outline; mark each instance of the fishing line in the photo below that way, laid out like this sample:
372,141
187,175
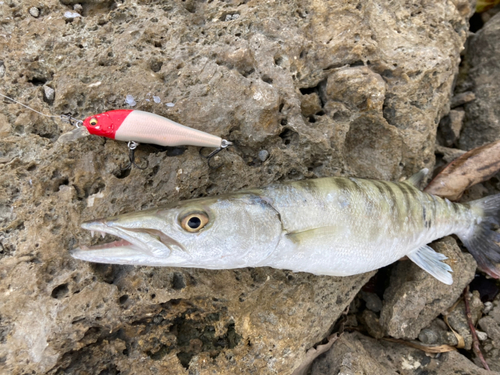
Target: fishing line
65,118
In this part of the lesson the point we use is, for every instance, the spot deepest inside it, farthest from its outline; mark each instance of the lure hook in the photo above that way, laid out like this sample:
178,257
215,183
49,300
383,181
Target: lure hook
132,145
224,144
71,120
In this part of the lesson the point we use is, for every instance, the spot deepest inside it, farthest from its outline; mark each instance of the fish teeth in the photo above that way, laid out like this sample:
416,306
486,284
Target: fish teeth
103,234
92,233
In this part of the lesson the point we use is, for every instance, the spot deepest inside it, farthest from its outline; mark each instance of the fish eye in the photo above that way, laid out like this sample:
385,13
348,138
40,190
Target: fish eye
194,222
93,121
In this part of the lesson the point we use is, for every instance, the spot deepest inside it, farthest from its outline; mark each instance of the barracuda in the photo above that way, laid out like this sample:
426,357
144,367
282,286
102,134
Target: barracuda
328,226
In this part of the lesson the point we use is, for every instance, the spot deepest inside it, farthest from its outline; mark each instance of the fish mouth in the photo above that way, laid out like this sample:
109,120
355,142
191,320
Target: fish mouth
136,245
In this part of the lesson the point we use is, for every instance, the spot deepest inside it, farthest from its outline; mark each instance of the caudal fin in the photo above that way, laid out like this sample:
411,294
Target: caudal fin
482,241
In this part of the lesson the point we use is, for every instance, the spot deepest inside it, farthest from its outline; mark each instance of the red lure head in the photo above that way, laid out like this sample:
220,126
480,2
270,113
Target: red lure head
106,124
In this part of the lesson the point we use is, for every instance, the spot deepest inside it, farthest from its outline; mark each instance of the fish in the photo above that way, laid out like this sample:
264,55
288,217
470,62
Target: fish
336,226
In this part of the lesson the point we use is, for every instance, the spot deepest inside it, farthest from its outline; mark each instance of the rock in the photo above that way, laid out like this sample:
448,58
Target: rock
242,78
437,333
5,126
414,298
2,69
263,155
354,353
310,104
490,324
49,93
35,12
372,300
462,98
449,154
372,324
450,126
482,123
78,8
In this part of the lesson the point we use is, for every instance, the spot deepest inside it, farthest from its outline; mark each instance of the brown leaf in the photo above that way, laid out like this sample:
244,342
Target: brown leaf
425,348
473,167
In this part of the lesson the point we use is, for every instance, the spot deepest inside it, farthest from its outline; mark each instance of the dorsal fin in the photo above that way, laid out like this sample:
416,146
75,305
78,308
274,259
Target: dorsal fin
417,178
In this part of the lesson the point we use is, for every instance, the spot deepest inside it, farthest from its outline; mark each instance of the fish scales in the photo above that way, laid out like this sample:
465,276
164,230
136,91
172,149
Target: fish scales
330,226
369,223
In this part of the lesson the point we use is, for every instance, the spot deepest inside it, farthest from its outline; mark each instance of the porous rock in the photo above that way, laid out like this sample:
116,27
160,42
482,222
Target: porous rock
414,298
354,353
481,124
490,324
242,77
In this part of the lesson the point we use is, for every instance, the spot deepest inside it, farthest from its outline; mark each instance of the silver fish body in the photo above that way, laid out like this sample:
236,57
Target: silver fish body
330,226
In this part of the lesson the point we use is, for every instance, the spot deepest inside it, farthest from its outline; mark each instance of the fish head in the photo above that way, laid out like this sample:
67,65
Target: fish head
214,233
106,124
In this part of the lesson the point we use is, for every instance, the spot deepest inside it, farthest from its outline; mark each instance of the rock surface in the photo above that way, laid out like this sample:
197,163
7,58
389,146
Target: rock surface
414,298
354,353
490,324
482,124
325,89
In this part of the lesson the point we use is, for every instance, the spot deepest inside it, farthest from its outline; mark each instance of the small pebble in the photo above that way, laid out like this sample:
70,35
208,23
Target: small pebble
481,335
156,99
461,99
2,69
49,92
35,12
170,104
372,301
263,155
488,306
78,8
129,99
428,336
71,15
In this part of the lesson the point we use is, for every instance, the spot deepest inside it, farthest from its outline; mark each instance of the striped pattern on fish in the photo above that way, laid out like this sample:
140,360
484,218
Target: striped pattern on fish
329,226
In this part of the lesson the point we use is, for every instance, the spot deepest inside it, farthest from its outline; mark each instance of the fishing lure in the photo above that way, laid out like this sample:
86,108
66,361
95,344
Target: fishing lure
135,127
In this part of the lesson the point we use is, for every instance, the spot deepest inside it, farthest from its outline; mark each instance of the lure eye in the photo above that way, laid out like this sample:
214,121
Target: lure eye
93,121
194,222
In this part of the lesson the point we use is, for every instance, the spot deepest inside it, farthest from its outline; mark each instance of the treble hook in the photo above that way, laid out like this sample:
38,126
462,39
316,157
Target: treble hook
132,145
224,144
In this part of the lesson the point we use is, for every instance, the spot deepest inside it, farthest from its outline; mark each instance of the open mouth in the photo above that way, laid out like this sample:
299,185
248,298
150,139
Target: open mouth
134,246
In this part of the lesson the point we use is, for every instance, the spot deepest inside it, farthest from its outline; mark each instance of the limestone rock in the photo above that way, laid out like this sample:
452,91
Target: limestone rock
354,353
414,298
482,123
236,69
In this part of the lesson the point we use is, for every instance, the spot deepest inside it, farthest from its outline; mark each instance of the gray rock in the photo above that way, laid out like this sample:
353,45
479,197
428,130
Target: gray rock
450,126
354,353
35,12
263,155
49,93
414,298
482,123
437,333
490,324
372,300
462,98
2,69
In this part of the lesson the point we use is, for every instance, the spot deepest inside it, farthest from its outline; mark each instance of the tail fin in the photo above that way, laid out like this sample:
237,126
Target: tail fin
482,240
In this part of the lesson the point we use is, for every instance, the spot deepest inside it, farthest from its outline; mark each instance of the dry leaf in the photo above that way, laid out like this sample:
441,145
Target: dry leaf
473,167
425,348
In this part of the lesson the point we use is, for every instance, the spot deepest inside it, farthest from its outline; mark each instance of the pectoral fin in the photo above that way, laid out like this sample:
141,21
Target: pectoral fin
312,236
431,262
